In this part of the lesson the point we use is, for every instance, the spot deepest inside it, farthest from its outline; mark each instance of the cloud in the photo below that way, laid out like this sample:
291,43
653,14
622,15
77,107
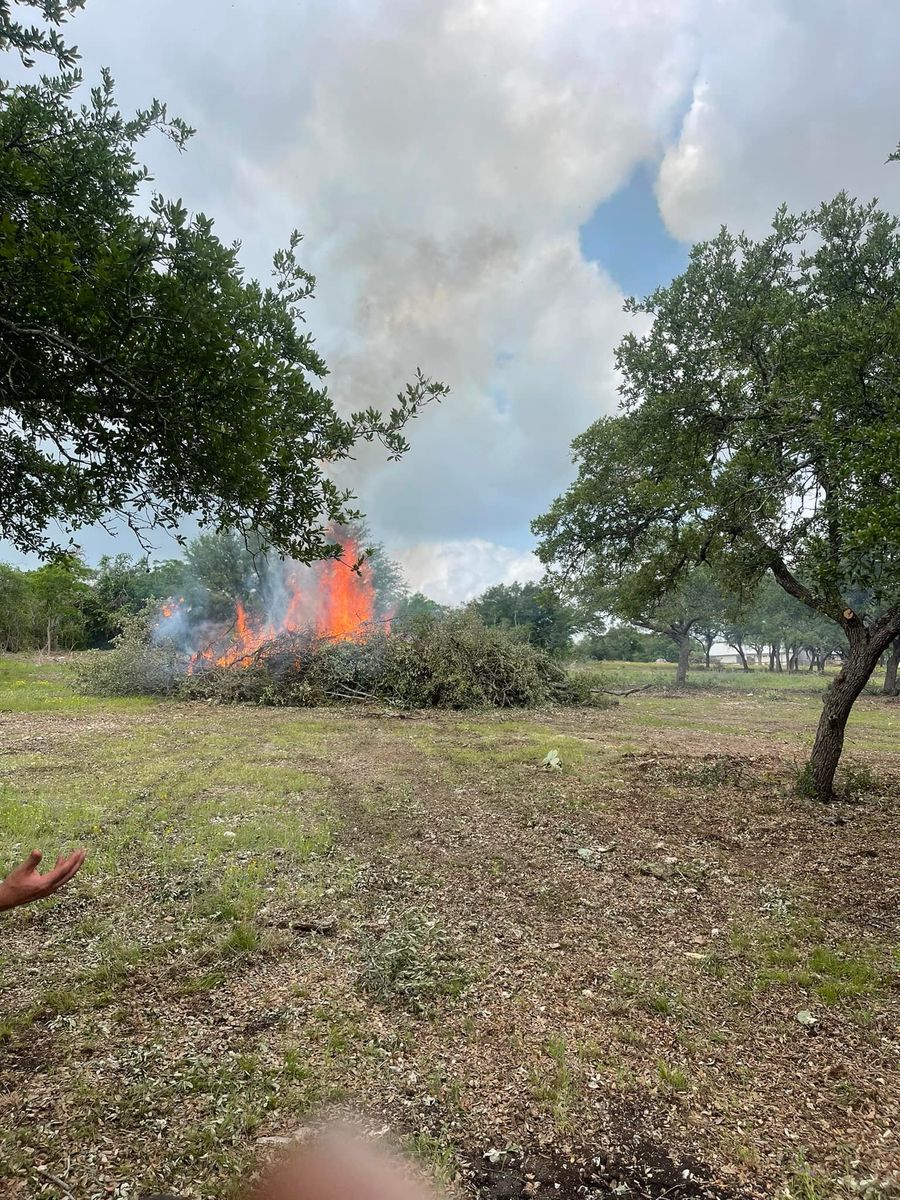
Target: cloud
453,572
440,159
791,103
440,156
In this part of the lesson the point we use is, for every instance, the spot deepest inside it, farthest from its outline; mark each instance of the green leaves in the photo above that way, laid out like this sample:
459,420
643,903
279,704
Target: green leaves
760,424
140,374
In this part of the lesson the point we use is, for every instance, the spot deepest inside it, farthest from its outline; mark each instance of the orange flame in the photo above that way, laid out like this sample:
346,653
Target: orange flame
336,603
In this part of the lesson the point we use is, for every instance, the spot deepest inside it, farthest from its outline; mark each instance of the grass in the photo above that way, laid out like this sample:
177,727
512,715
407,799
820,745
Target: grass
758,679
482,984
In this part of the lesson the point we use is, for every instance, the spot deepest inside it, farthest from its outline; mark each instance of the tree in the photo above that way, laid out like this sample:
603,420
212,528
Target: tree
123,585
17,610
761,430
141,375
533,609
694,604
415,608
62,596
891,687
625,643
223,568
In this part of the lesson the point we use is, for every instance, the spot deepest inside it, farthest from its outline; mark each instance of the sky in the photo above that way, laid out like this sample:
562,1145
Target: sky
480,184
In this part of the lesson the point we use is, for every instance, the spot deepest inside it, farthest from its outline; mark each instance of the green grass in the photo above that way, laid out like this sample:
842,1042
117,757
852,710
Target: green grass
37,685
185,1008
553,1082
672,1078
634,674
796,957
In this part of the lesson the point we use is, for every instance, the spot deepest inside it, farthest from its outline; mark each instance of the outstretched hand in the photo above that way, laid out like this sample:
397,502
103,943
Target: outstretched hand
25,883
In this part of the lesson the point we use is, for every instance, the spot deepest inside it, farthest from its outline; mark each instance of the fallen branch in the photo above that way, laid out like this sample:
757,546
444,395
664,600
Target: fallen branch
54,1179
630,692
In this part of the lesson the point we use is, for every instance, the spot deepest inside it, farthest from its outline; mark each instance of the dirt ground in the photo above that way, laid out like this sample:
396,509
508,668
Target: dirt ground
654,972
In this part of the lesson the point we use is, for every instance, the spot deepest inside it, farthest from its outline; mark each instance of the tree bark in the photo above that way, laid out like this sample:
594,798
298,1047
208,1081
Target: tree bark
891,687
862,658
739,649
684,657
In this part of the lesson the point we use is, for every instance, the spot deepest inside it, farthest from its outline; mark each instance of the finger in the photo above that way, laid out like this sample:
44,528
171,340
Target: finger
55,879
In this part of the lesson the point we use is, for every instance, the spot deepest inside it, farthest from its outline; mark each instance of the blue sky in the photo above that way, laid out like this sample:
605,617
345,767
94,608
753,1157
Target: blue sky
626,236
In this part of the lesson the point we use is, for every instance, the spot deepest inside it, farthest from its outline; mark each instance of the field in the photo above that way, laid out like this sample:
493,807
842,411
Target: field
652,973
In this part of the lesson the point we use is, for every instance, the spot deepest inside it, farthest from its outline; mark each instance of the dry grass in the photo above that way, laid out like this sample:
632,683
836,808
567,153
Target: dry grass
627,942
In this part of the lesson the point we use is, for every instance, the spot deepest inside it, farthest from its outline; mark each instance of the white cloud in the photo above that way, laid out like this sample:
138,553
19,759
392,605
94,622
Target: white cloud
791,103
453,572
440,156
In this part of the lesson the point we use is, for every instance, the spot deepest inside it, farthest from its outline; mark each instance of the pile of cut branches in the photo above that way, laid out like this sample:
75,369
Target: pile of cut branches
449,662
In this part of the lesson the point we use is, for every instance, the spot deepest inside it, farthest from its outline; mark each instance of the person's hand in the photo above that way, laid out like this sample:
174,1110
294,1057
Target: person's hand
340,1168
26,883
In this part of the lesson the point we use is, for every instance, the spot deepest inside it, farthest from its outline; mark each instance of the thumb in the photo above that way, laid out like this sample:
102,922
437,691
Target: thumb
33,859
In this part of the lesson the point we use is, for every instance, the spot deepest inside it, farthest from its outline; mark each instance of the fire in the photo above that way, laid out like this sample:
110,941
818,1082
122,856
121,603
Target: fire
333,601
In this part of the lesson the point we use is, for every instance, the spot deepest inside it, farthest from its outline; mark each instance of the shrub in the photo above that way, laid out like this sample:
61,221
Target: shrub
135,666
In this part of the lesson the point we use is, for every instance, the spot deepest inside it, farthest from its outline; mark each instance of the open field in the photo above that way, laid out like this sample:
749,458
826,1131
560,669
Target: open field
295,912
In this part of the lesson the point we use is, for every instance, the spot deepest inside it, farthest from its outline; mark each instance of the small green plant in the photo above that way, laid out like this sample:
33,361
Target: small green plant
805,1184
243,940
663,1000
804,784
436,1156
855,782
555,1086
414,963
672,1077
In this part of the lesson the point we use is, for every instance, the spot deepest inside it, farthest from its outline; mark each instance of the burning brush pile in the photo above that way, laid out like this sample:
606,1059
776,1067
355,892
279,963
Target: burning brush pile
314,636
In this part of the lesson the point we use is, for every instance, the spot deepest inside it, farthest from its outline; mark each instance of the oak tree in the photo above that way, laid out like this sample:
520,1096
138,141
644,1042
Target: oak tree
142,375
760,429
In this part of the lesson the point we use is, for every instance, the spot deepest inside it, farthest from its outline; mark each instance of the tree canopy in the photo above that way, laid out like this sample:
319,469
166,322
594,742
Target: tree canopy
534,610
760,430
142,375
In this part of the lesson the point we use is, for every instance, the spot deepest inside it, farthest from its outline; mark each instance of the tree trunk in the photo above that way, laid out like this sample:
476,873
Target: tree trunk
684,657
840,696
891,687
739,649
772,656
709,647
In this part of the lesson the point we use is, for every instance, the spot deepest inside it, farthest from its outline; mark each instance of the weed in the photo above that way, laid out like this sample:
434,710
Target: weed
804,1184
414,962
672,1077
663,1000
855,782
243,940
435,1154
555,1087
